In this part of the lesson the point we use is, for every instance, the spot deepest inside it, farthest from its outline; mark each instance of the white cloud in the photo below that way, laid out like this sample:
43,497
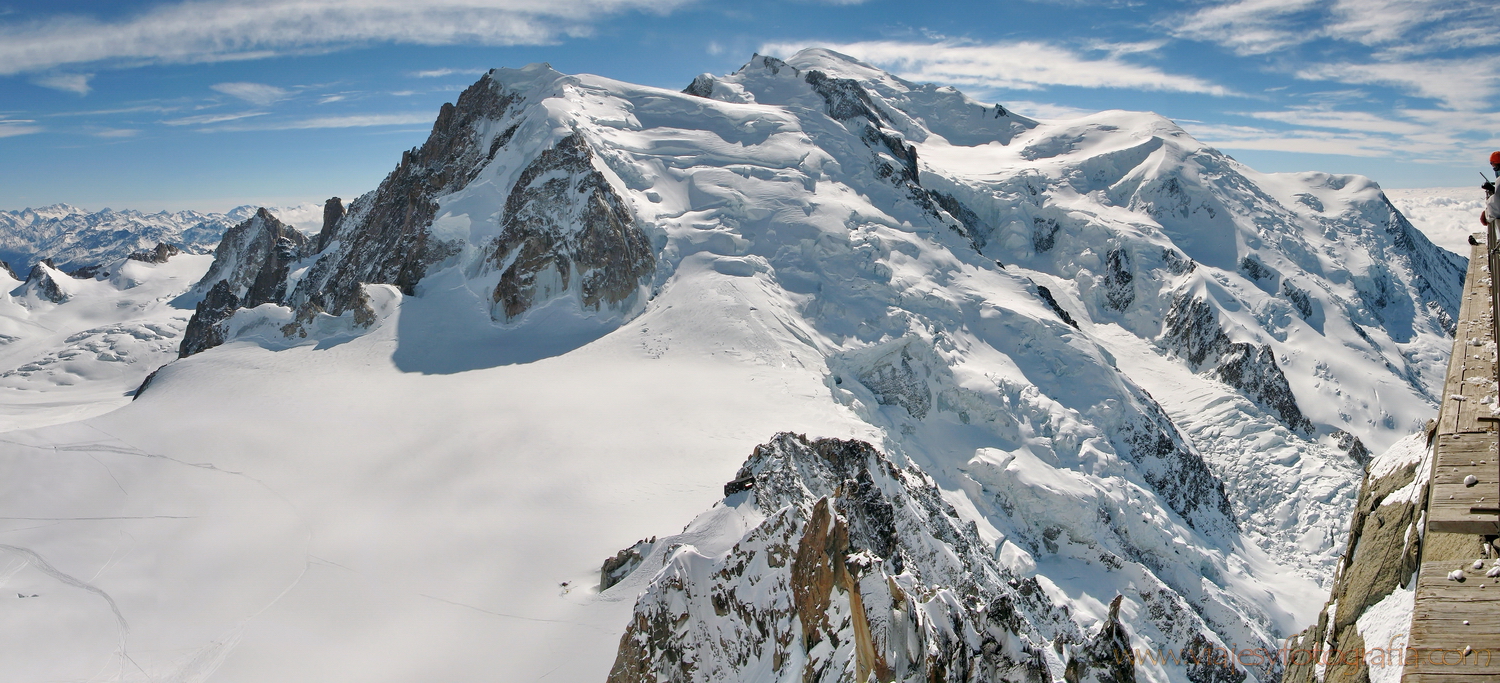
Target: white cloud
1302,141
255,93
206,119
1020,65
354,121
1248,26
116,133
213,30
1341,120
1397,27
78,83
1421,135
439,73
1046,110
13,127
1460,84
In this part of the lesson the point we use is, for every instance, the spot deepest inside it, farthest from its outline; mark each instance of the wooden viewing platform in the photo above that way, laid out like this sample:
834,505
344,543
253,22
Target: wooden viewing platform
1455,628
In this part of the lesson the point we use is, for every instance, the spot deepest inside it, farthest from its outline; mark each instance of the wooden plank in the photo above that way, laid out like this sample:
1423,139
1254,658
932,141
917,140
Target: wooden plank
1469,361
1439,637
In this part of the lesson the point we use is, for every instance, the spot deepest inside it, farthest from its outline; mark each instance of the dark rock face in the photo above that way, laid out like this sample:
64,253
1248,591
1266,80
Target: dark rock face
895,160
253,259
1109,658
1177,472
159,254
1119,288
702,86
1383,552
1044,233
1177,264
1192,330
815,587
87,272
1047,298
845,98
562,219
145,383
623,563
1351,445
42,278
204,330
386,237
1255,269
1252,369
9,271
333,213
1300,299
249,269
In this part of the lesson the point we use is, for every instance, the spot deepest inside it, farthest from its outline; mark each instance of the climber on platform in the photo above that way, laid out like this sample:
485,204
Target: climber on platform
1492,206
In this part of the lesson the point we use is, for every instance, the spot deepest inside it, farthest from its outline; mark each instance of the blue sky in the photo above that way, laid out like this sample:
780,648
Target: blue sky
217,103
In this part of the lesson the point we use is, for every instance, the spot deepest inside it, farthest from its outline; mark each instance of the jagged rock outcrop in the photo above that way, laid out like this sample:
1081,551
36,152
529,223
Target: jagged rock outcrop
249,269
859,570
205,330
1051,301
44,281
5,267
623,563
1351,445
1192,331
702,86
159,254
386,236
563,222
87,272
253,259
333,214
1108,658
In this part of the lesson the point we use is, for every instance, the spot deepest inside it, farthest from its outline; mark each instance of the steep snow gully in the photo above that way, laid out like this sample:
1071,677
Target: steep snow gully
1022,398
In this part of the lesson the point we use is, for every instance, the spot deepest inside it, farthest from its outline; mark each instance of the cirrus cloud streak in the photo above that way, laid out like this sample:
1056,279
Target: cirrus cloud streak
217,30
1019,65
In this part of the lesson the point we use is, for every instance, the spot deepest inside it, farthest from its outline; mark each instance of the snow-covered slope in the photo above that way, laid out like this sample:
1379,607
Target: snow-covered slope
1126,365
74,238
71,348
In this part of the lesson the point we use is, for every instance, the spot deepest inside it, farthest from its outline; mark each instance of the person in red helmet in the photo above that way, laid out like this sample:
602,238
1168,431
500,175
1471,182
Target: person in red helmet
1492,207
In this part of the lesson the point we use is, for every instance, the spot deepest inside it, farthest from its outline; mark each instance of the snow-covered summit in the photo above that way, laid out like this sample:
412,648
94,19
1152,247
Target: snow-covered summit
1134,366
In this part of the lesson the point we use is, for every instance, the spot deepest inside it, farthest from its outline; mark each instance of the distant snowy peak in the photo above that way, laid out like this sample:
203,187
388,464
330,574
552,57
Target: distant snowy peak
74,238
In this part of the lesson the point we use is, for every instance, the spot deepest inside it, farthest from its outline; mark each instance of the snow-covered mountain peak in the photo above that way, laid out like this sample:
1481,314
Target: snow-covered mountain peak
1131,366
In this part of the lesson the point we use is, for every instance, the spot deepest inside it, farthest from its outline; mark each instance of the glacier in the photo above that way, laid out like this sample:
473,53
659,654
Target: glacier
1115,367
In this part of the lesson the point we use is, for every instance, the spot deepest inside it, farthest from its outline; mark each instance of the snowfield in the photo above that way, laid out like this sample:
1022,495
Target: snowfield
1133,383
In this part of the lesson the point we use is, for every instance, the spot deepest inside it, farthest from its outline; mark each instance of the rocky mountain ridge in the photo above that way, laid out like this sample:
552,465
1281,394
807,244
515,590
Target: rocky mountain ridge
1144,376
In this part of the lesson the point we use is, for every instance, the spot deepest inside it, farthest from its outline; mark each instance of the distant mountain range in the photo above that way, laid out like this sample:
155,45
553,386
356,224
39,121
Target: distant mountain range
73,238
